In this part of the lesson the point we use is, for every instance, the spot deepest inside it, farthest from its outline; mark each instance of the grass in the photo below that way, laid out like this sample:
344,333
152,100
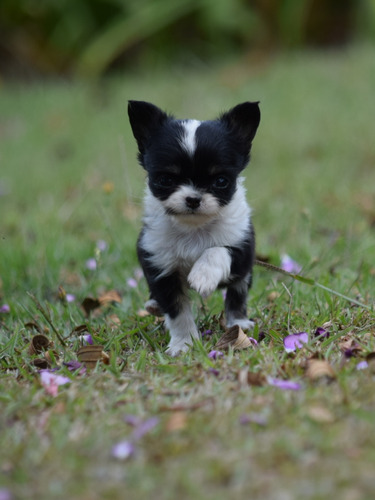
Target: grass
69,179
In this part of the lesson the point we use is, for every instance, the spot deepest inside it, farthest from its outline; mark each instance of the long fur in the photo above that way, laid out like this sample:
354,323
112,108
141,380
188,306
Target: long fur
197,230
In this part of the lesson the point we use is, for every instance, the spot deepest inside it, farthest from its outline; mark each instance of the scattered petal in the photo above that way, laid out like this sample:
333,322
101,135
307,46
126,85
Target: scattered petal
215,354
5,494
253,341
74,366
362,365
206,333
144,427
214,372
70,297
5,309
290,265
91,264
295,341
101,245
321,333
51,382
132,283
285,385
88,339
253,418
123,450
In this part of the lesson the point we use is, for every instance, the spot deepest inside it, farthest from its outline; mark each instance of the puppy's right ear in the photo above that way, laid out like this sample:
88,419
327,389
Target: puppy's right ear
144,118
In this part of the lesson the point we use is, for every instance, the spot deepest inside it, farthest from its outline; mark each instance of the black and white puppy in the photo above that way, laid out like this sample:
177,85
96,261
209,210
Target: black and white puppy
197,230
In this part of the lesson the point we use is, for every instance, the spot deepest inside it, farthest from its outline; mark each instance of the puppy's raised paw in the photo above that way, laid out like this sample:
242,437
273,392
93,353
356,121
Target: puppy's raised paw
209,270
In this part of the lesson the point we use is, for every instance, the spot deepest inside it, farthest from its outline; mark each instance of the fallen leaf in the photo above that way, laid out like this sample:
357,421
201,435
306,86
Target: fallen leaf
109,297
317,369
320,414
91,354
89,304
245,378
39,343
235,338
176,422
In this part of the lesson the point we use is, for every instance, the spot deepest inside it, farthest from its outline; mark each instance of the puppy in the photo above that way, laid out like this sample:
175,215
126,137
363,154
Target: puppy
197,231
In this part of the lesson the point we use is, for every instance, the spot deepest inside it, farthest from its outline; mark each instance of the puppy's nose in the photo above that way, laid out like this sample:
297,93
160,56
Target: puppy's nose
192,201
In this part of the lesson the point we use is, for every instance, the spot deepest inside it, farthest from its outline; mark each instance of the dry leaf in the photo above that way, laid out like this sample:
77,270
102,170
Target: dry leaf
89,304
108,297
245,378
39,343
91,354
320,414
234,337
350,345
318,369
177,421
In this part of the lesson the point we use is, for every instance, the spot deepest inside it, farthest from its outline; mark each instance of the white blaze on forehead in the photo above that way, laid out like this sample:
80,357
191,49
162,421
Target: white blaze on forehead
188,140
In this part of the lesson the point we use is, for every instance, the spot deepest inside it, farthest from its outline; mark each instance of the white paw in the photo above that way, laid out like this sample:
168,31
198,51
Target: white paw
244,323
209,270
179,347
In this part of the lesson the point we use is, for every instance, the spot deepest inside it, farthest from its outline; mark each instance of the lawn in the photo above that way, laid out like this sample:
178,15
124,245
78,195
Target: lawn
259,423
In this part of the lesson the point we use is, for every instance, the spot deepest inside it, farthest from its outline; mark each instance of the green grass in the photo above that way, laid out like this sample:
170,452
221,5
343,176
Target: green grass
69,178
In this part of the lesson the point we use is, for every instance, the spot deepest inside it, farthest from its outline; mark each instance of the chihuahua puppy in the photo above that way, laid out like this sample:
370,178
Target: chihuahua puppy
197,230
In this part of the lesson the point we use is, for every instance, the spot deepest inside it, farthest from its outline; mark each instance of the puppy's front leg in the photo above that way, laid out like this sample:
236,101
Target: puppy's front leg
212,268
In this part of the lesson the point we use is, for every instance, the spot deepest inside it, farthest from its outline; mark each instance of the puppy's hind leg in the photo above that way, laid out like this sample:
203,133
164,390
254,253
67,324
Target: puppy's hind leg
236,304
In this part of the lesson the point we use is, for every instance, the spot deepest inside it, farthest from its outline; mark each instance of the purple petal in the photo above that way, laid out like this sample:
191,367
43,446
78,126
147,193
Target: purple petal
5,494
253,418
214,372
215,354
295,341
132,283
123,450
145,427
206,333
74,366
290,265
321,332
253,341
284,384
48,378
88,339
70,297
362,365
4,308
91,264
101,245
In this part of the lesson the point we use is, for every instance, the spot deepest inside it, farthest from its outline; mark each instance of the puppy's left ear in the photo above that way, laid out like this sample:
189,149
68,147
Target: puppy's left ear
243,120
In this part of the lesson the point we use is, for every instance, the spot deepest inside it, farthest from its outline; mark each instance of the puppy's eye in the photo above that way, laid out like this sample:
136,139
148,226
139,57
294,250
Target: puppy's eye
165,181
221,182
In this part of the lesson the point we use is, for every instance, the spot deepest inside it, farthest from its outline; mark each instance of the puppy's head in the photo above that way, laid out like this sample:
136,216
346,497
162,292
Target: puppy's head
193,166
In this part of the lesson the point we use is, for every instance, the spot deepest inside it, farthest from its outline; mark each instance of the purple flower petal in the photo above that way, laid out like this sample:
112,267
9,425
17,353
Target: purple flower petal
70,297
51,382
91,264
215,354
206,333
144,427
88,339
253,341
362,365
214,372
253,418
5,494
132,283
4,308
290,265
101,245
284,384
321,332
74,366
123,450
295,341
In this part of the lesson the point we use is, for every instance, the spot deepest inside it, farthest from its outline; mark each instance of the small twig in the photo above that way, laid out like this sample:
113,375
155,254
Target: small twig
46,317
311,282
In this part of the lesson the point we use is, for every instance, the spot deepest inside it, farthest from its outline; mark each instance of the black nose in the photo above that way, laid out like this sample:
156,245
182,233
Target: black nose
192,201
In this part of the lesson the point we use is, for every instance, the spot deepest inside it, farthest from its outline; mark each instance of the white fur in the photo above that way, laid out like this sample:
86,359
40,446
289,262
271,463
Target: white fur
175,244
208,208
182,330
212,267
188,141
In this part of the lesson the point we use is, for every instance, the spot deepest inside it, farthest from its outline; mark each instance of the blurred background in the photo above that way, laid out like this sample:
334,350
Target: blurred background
92,38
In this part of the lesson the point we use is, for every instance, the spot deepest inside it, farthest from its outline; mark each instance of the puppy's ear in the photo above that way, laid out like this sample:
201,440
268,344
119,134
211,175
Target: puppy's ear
243,120
144,118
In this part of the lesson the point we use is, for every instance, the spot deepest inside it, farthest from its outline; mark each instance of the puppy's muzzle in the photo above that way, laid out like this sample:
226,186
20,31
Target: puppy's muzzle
193,202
